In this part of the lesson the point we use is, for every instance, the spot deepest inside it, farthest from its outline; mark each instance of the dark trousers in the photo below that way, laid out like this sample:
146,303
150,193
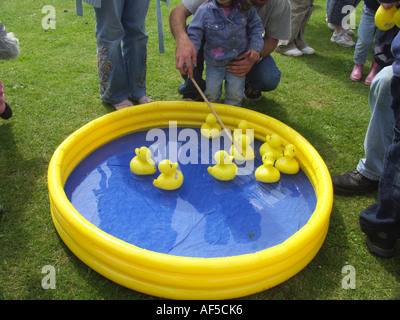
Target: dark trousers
336,13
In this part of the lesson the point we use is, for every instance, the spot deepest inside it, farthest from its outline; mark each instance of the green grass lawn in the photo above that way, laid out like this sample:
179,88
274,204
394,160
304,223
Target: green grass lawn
53,90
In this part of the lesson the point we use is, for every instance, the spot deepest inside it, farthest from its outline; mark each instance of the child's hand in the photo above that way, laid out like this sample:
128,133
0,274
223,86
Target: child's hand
254,55
243,63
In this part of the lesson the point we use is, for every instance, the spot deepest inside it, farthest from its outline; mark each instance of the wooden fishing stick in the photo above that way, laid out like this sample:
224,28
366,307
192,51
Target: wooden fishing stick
216,115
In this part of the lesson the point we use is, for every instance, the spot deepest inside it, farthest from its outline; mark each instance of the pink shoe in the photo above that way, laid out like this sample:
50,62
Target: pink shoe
356,74
2,101
372,73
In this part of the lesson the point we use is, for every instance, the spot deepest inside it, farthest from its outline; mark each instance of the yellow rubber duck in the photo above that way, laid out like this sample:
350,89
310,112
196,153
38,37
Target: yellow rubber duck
288,164
170,178
142,164
243,126
225,169
245,152
210,129
272,144
267,172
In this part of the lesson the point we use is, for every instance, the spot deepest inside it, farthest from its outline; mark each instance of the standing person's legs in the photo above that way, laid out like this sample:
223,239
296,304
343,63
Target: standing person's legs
366,34
113,75
339,11
378,138
296,18
134,45
381,221
379,135
305,9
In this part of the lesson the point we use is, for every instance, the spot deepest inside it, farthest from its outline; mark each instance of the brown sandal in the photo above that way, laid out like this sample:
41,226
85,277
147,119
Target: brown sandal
145,99
123,104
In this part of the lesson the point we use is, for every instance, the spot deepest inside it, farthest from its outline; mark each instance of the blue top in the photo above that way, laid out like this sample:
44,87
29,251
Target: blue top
225,37
396,55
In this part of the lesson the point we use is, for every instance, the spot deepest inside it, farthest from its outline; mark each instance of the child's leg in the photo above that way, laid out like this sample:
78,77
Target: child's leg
214,78
365,33
234,89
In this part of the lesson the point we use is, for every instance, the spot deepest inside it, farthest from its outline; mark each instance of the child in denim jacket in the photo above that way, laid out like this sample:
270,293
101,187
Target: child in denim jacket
228,28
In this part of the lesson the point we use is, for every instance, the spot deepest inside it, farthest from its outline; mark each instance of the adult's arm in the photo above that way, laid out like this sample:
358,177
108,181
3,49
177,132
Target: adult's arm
185,52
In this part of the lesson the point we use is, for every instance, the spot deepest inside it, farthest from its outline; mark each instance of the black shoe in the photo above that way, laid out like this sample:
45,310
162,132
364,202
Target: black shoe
251,94
353,182
381,245
7,112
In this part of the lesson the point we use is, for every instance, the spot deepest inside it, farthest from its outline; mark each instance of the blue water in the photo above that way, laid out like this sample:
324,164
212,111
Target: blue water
203,218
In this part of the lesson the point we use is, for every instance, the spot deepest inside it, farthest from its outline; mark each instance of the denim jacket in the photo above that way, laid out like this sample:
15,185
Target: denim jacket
225,38
78,5
396,55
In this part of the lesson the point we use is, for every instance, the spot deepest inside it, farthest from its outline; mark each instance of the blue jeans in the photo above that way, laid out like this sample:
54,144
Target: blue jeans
384,216
264,76
380,134
121,49
234,86
366,34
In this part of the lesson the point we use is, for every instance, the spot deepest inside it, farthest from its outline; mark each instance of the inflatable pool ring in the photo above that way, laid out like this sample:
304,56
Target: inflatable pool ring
180,277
